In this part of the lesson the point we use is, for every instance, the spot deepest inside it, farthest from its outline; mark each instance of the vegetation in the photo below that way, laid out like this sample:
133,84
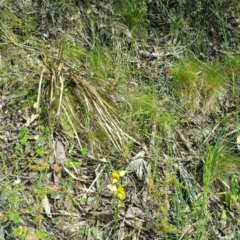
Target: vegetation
119,119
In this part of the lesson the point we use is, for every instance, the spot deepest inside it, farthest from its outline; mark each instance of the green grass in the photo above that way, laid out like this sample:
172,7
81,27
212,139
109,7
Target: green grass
133,15
200,87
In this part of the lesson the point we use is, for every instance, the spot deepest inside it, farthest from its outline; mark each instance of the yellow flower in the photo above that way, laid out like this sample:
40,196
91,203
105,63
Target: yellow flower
122,173
112,187
115,186
120,193
115,176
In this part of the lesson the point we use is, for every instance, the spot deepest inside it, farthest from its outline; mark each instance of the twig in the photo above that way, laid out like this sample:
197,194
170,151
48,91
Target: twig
39,88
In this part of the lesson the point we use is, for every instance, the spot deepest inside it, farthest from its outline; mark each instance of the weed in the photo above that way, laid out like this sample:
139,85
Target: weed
18,232
201,205
17,26
14,217
232,196
232,200
175,24
159,189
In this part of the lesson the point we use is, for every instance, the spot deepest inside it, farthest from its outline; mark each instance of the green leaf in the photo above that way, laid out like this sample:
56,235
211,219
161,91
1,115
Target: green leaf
45,130
18,231
40,151
228,198
235,187
50,191
223,218
14,217
28,210
89,117
84,151
24,235
12,102
77,164
24,139
42,139
44,81
69,163
22,133
83,200
23,92
42,235
55,220
18,147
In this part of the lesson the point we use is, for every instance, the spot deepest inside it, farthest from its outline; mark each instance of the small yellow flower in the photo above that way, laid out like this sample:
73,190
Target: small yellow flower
122,173
115,176
112,187
120,193
116,187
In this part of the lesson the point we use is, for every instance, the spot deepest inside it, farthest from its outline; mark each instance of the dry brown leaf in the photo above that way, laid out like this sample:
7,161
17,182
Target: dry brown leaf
60,66
56,168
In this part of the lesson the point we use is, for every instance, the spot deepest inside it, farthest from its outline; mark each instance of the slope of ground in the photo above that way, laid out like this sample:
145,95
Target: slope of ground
119,120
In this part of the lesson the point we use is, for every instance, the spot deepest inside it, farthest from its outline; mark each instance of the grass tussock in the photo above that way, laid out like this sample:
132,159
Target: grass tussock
73,98
199,87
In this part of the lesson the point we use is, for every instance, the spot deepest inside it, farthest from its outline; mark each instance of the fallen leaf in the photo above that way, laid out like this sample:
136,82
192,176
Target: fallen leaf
134,165
30,119
46,206
140,155
56,168
60,152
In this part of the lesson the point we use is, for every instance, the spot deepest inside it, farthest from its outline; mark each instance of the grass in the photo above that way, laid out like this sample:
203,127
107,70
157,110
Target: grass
199,86
133,15
107,89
